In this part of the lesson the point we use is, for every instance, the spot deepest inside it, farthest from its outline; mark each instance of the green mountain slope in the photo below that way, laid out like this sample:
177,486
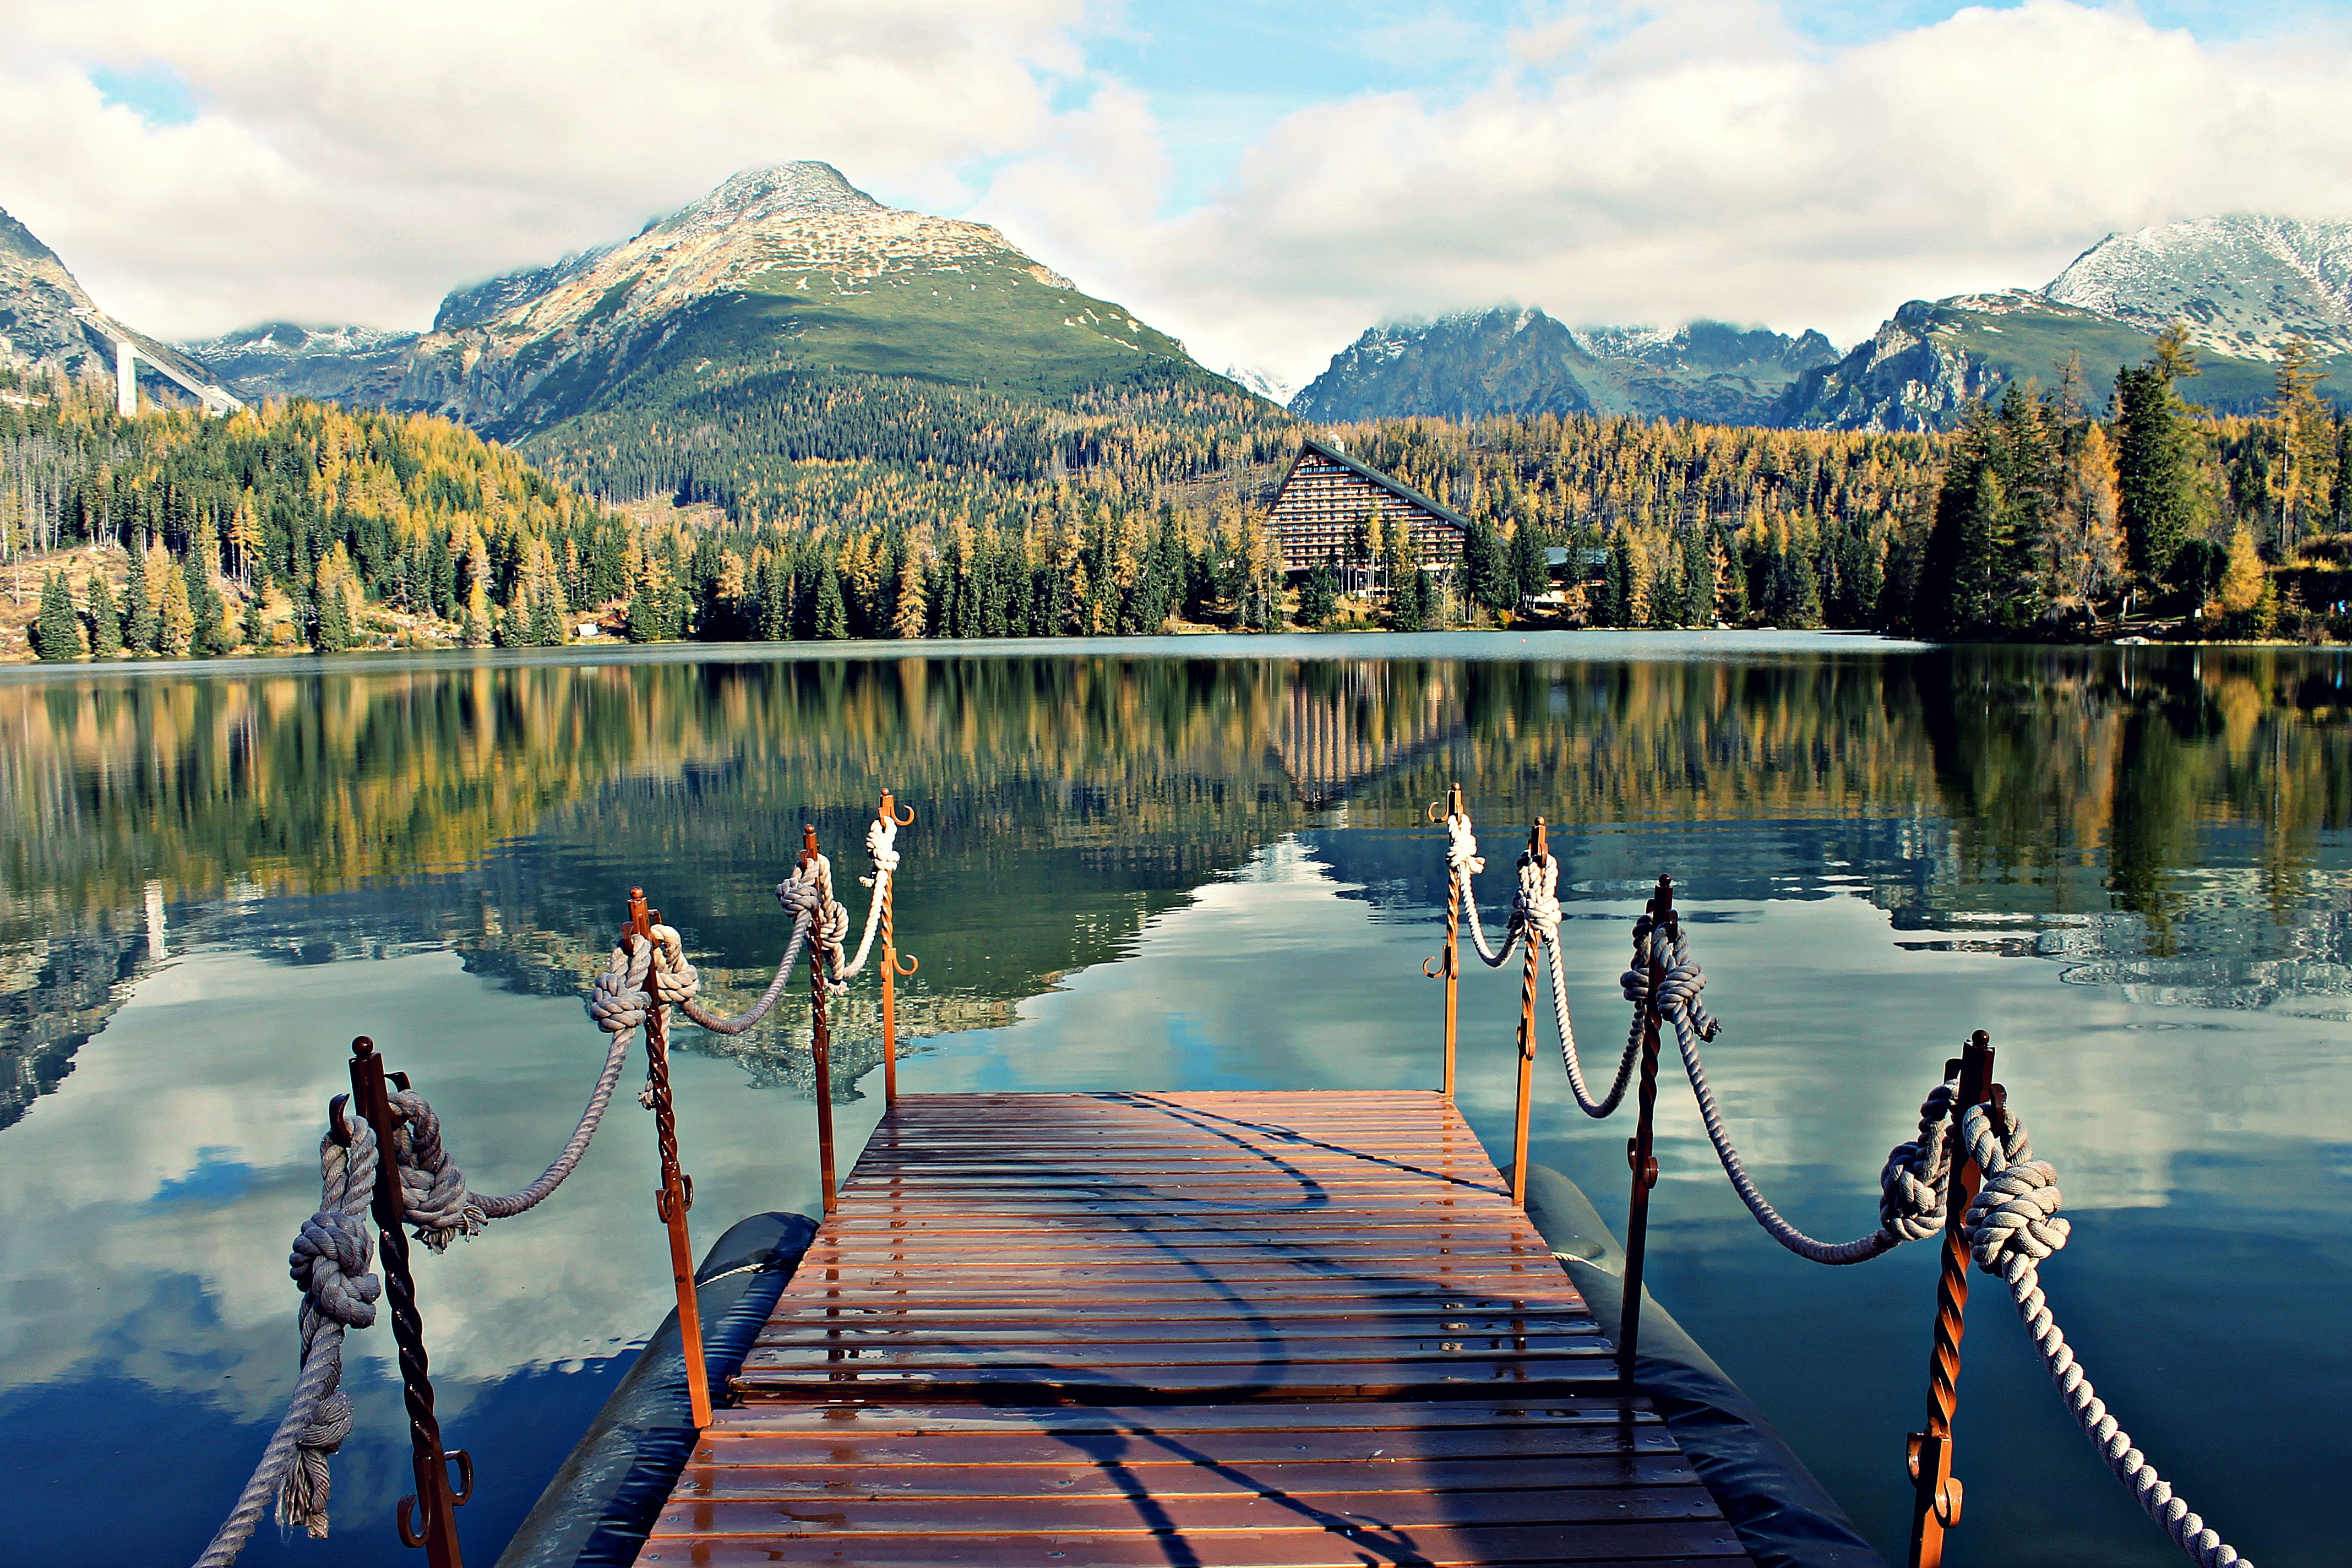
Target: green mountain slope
1922,368
782,268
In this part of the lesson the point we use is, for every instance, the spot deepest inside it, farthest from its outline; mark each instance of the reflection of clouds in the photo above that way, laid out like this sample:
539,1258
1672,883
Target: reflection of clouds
221,1058
146,1207
1835,1027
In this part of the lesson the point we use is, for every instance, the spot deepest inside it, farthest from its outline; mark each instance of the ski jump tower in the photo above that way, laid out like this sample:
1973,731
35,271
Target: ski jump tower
216,399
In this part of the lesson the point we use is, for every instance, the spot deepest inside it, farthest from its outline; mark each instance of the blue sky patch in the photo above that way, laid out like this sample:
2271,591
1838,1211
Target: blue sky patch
156,92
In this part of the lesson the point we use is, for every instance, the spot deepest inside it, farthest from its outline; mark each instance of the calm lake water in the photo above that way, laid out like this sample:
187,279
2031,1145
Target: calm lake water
1185,866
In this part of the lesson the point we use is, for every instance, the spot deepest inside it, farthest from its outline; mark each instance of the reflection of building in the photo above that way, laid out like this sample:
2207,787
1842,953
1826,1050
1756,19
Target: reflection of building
1328,502
1333,736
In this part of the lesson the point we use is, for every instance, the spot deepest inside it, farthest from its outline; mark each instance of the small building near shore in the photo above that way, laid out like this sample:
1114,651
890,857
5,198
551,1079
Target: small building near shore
1328,496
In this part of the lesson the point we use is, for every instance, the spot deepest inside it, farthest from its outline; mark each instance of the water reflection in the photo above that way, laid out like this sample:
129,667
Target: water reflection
1158,868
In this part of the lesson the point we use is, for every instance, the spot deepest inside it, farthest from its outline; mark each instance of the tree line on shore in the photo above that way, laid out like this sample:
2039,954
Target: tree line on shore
302,525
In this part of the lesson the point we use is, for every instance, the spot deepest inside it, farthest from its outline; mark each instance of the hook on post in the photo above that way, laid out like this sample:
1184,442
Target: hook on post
671,1199
1935,1491
1539,851
422,1517
821,1038
1641,1150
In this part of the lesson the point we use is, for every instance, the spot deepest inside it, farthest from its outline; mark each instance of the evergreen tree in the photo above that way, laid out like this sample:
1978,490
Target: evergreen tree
105,619
138,618
330,631
1618,576
212,635
57,631
1488,578
1957,588
1531,578
1318,596
832,618
775,600
2154,472
1408,598
175,618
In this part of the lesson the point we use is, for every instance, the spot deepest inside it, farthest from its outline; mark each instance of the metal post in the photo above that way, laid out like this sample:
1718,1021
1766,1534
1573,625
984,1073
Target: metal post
1641,1150
820,1043
1935,1490
888,812
426,1518
1452,941
1539,851
675,1194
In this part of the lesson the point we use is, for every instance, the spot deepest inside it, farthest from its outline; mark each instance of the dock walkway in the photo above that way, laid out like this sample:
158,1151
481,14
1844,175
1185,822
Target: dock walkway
1280,1330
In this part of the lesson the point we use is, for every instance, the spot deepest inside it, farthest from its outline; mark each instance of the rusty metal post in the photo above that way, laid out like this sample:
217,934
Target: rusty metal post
1935,1490
888,812
675,1194
1641,1150
1540,850
1453,969
426,1519
820,1043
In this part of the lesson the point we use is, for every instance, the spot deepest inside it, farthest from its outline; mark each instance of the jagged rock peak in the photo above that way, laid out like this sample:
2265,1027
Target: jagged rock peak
804,188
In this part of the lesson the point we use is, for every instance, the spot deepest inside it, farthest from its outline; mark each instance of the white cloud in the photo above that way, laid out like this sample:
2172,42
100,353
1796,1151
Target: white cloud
354,162
1625,163
1703,159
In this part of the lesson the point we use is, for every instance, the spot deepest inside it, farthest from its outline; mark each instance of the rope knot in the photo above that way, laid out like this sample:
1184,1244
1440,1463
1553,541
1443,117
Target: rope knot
329,1263
1462,858
881,848
1536,905
619,1000
1917,1175
675,981
433,1190
2014,1220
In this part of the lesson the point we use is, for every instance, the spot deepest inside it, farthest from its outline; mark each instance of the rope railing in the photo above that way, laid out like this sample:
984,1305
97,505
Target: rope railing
385,1154
1927,1185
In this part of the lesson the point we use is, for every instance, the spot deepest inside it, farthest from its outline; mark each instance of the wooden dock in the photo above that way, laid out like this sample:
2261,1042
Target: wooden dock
1078,1330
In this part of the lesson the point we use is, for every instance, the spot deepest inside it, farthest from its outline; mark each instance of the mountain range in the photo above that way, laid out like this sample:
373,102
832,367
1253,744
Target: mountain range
2245,284
1508,361
790,269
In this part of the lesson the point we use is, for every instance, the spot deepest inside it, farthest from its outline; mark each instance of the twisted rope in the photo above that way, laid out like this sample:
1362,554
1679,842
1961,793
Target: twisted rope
1911,1184
1535,913
808,894
1461,860
2012,1228
330,1261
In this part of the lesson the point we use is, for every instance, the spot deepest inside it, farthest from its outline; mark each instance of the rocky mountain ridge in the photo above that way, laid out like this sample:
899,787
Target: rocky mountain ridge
2245,282
785,266
1517,361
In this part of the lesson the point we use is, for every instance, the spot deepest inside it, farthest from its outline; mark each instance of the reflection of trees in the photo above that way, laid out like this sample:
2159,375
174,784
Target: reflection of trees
504,810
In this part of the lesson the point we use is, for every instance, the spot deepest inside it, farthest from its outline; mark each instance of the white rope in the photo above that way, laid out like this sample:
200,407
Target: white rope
2012,1228
1911,1184
1461,860
1535,913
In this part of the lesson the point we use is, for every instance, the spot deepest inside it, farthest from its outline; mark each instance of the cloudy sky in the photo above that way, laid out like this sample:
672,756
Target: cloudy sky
1263,180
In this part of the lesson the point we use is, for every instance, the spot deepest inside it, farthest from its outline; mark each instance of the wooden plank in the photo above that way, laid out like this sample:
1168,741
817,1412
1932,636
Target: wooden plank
1225,1330
1181,1512
853,1419
1620,1546
899,1460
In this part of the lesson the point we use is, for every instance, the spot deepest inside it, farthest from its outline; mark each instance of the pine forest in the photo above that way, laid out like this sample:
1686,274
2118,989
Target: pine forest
823,507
